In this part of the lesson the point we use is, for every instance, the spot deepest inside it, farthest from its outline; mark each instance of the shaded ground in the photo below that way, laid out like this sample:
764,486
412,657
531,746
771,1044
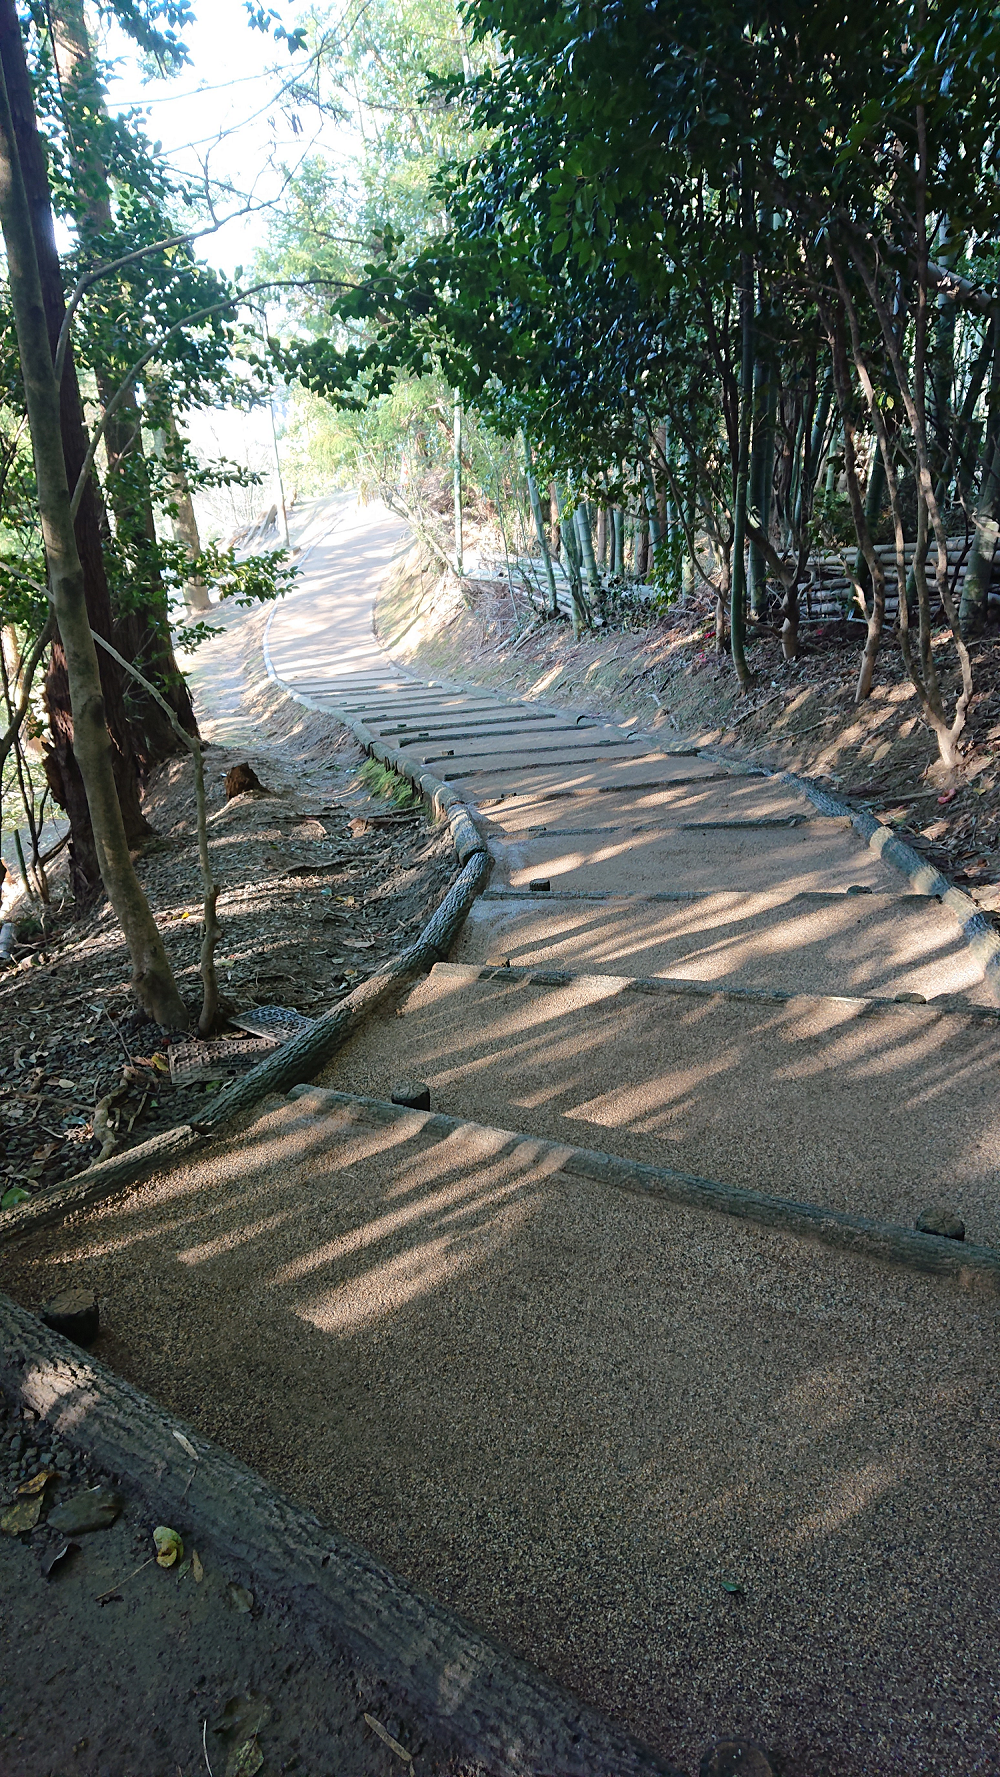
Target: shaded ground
115,1667
799,716
321,881
707,1476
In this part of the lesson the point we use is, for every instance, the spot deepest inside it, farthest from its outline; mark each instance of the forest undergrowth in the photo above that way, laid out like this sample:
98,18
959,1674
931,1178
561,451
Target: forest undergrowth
323,878
666,678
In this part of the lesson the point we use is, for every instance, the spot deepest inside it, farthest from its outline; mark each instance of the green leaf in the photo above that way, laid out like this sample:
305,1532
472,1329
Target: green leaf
17,1194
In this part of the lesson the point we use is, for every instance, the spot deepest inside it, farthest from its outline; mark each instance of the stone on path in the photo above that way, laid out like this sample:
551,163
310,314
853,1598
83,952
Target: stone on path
415,1094
737,1758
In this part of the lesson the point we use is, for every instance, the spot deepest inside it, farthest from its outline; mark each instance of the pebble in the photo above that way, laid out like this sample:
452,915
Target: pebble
737,1758
415,1094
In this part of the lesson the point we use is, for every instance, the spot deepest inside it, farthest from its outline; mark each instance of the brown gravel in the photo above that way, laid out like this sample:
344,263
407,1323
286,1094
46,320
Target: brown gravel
578,1417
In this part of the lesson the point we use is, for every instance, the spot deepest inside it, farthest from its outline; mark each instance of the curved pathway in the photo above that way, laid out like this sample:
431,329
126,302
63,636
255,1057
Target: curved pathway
708,1476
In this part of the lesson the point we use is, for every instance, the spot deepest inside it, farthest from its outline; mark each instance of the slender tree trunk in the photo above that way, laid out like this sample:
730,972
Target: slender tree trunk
737,615
61,766
761,470
456,480
979,571
618,520
142,630
642,547
151,976
586,540
537,515
875,614
184,523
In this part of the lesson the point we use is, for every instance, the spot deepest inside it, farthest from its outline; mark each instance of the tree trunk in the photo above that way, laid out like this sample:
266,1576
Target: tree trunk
979,573
142,632
170,446
456,480
536,513
587,558
761,472
151,976
61,766
737,614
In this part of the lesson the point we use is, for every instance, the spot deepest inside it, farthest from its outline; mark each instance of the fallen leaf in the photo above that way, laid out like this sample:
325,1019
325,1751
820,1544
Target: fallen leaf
243,1716
358,943
732,1586
245,1760
393,1745
57,1556
169,1547
186,1444
37,1482
22,1516
17,1194
160,1063
66,1085
184,1568
196,1567
241,1599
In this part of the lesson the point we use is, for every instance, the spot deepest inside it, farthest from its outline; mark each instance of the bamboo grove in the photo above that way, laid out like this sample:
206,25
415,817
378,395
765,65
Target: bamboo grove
730,273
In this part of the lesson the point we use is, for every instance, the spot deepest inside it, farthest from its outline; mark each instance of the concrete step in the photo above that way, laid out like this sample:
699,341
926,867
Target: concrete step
831,1100
815,942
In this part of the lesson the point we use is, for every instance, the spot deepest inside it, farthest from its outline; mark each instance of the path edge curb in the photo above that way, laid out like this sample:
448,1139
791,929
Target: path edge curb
972,1267
500,1710
979,933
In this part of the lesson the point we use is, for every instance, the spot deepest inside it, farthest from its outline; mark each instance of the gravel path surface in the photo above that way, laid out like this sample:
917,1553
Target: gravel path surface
578,1417
709,1477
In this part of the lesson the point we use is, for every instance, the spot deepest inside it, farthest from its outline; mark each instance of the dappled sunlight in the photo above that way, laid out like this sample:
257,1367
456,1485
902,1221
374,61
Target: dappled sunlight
655,1104
841,944
813,1098
850,1495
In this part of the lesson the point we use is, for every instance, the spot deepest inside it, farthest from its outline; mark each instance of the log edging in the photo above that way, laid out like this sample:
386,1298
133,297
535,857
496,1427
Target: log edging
501,1711
301,1059
979,933
972,1267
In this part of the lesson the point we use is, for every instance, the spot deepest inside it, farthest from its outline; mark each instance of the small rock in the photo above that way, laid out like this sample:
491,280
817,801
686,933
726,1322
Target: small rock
942,1221
95,1509
75,1314
415,1094
856,888
540,885
910,999
737,1758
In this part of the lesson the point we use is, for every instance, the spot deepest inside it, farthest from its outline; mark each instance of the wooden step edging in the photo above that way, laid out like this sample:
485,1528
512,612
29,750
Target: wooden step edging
978,931
974,1268
677,986
446,803
501,1712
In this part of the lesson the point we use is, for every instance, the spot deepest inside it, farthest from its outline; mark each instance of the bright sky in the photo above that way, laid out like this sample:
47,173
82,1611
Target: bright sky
226,114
